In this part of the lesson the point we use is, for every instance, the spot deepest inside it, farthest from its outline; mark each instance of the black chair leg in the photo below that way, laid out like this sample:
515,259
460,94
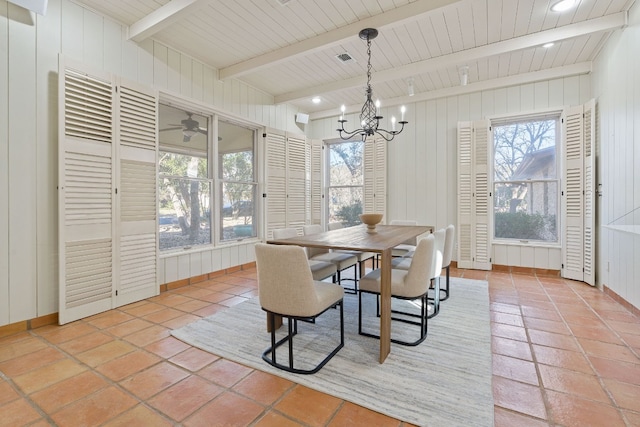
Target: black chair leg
447,289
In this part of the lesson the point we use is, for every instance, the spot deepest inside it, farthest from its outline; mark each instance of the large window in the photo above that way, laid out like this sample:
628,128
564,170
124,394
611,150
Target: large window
346,179
236,147
184,217
525,181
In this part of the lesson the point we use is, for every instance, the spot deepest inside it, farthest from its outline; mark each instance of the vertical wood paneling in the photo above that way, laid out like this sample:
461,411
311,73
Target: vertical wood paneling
22,169
47,44
145,63
71,30
93,37
112,53
440,166
4,166
160,66
173,71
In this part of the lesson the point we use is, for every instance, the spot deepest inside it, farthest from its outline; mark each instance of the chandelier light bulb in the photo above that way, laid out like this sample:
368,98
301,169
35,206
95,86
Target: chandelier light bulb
393,122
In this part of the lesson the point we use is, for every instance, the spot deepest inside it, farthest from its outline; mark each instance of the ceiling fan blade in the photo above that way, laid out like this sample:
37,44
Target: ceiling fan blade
173,128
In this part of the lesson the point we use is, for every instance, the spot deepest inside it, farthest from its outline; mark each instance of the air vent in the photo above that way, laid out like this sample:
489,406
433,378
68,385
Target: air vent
345,57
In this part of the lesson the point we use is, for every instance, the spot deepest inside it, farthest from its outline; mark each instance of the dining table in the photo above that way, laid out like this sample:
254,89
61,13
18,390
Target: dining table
358,238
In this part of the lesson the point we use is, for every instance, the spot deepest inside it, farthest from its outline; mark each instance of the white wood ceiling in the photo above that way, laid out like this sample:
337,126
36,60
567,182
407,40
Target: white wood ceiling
289,50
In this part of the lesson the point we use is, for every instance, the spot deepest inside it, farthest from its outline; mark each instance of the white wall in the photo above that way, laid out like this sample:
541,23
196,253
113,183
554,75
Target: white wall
29,146
616,83
422,168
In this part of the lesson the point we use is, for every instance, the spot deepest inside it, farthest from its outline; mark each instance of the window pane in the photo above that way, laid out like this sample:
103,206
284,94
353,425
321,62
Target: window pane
525,150
184,213
526,211
345,204
237,166
235,147
185,134
238,211
174,164
345,163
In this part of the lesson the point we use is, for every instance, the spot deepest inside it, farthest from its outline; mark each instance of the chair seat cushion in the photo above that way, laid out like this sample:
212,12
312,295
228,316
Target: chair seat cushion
321,269
328,295
402,249
360,255
371,283
341,260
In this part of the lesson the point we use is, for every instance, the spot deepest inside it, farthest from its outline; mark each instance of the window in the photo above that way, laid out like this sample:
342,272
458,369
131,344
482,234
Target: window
525,179
236,148
184,217
346,179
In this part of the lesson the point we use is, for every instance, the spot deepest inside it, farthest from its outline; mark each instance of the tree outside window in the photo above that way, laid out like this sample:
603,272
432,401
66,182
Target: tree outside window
346,182
526,180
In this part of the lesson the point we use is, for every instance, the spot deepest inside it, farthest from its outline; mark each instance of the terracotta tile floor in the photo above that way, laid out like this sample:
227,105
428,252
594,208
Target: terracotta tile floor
564,354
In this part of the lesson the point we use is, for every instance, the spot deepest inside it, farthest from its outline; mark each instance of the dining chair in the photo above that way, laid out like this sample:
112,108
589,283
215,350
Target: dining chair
287,289
449,241
411,284
362,256
320,270
342,261
404,263
408,246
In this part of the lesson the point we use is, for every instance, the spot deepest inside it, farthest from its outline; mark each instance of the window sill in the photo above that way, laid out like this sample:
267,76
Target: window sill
525,243
203,248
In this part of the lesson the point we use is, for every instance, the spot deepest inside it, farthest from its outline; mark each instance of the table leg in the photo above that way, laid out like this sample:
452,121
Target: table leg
278,321
385,305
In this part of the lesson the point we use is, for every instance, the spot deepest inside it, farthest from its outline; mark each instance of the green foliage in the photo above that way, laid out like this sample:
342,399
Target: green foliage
521,225
349,214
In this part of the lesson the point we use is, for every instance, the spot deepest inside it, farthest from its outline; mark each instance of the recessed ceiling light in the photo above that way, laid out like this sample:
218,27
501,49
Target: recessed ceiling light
547,45
563,5
316,100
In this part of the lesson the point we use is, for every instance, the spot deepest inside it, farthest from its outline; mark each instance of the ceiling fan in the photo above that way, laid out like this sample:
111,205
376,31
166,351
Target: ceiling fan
189,126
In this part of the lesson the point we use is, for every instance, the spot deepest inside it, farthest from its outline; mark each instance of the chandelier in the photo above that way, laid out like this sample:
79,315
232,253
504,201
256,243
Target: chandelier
370,113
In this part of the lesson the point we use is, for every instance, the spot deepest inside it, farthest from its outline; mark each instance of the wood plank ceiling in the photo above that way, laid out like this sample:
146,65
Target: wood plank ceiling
289,50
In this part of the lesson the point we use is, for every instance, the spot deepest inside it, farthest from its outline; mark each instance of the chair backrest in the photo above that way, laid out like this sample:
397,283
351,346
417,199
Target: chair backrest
285,283
313,229
439,236
418,277
334,226
448,245
284,233
413,241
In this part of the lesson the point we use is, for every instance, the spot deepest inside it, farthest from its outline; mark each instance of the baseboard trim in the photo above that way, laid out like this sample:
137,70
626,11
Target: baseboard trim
201,278
623,302
26,325
542,272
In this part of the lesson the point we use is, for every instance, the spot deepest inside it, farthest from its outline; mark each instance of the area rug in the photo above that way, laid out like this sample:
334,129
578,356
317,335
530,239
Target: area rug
445,381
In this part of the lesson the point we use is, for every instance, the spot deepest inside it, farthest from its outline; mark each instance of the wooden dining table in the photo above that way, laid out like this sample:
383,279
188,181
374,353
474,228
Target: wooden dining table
358,238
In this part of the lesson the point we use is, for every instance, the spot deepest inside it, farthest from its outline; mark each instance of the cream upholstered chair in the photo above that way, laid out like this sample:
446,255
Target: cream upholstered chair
362,256
341,260
411,284
447,255
408,246
434,275
320,270
286,288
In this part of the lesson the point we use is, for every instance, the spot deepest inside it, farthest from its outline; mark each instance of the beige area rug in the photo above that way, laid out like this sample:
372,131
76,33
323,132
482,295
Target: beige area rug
445,381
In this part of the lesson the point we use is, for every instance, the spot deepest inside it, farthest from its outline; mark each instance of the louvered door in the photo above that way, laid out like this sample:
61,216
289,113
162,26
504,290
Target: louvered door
137,197
474,200
296,181
589,129
482,207
85,198
316,181
572,198
375,176
465,200
276,174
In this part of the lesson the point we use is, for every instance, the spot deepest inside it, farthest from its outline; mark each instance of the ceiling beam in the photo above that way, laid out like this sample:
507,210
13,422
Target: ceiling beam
393,17
162,17
606,23
518,79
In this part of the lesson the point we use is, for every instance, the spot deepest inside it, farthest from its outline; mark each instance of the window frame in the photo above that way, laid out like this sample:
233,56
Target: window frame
552,114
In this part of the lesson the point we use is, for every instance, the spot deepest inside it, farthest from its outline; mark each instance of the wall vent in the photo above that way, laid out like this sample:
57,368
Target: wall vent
345,57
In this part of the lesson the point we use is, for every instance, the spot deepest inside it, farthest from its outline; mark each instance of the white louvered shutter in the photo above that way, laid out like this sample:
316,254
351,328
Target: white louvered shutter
296,181
474,201
572,198
276,172
465,198
589,192
316,181
85,199
482,206
375,176
137,197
